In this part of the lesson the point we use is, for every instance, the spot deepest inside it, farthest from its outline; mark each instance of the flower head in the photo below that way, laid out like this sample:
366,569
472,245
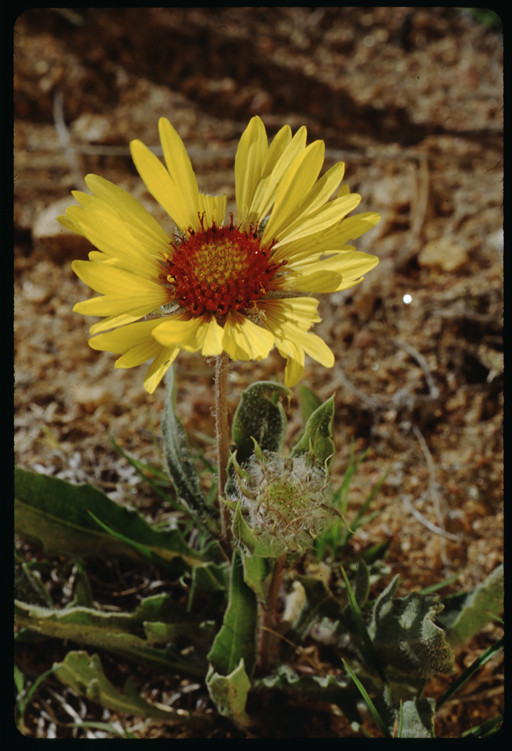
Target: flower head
237,286
286,500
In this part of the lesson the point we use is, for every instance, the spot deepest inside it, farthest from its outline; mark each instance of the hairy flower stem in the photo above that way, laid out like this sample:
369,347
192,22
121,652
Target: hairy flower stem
268,616
221,429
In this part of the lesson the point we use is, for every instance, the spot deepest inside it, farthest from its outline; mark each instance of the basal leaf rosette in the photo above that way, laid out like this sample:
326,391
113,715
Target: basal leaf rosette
240,286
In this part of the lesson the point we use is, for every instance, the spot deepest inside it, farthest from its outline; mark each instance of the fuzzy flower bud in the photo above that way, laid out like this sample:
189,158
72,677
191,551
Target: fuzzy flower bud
284,500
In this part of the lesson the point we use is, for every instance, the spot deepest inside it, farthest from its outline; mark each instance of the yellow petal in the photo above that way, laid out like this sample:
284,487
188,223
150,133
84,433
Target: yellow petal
351,264
354,226
279,144
187,335
251,183
286,330
294,362
163,188
316,348
68,223
323,190
301,311
249,162
139,354
293,372
158,368
143,225
213,208
295,185
111,236
213,339
321,219
244,340
112,322
124,339
332,239
264,200
116,305
317,281
136,345
98,257
180,168
105,278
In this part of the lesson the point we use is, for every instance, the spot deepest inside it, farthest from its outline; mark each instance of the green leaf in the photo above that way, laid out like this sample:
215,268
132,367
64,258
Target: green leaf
84,675
236,639
400,728
337,534
486,16
229,693
55,516
209,577
437,586
143,550
257,572
119,632
486,729
372,656
242,533
329,689
371,706
262,545
360,581
29,587
260,415
418,718
466,613
19,681
181,466
469,672
309,402
317,439
23,702
409,644
375,553
417,715
82,593
341,534
160,633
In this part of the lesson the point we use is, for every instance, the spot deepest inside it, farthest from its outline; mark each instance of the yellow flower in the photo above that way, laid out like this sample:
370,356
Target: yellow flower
239,287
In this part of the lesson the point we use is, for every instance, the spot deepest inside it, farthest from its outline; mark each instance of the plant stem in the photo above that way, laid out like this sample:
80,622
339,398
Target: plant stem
268,615
221,430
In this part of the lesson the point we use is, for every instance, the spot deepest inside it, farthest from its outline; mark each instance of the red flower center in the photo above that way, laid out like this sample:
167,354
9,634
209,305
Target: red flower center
220,269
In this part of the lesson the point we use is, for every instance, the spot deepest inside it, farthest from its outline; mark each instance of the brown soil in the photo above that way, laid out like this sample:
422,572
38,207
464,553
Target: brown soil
411,100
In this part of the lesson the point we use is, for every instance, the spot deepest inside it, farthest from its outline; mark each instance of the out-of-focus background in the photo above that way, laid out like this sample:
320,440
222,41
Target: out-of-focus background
411,100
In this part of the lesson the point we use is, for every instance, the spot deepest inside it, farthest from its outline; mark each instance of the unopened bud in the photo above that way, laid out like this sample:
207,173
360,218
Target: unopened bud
285,499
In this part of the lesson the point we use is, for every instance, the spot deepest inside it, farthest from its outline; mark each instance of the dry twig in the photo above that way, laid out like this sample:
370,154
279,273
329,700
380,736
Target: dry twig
434,391
65,140
423,520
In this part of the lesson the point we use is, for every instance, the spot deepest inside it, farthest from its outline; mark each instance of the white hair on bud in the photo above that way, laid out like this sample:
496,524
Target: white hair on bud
285,499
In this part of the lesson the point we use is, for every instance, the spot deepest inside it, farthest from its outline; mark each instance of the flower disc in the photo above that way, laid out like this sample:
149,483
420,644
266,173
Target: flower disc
220,269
